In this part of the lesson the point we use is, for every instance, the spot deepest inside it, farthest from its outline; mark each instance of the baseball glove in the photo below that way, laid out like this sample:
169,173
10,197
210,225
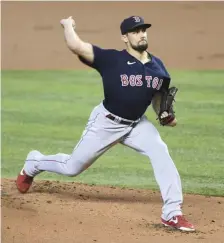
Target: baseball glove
163,105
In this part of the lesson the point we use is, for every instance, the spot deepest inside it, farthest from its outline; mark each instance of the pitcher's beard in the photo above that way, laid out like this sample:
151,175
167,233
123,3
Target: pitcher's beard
140,48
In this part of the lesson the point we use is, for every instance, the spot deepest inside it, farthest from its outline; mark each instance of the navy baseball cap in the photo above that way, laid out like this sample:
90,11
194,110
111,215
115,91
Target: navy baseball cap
132,23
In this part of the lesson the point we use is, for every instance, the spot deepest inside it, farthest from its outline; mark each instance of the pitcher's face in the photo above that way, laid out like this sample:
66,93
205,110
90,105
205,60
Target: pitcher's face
137,39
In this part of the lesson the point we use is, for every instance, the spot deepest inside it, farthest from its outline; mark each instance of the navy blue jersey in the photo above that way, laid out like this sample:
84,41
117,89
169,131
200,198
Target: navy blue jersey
128,84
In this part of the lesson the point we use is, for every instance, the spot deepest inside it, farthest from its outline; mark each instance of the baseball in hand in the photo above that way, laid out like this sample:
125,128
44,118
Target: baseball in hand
69,21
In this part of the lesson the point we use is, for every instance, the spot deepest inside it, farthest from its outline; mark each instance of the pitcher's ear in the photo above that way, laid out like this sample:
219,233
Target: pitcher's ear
124,38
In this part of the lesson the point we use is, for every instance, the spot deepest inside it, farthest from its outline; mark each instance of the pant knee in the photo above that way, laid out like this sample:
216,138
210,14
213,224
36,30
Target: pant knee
158,149
71,172
74,168
162,145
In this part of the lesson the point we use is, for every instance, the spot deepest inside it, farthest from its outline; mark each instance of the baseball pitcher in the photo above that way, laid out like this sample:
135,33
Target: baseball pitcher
133,79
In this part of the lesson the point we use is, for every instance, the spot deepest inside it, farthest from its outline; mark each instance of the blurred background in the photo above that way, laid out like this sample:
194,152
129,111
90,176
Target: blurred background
47,96
186,35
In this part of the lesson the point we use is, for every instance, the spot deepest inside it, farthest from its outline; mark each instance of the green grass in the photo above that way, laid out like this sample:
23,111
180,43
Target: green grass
47,111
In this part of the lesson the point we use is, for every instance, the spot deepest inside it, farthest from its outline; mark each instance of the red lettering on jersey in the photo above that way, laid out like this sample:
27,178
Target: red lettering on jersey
138,80
124,80
132,80
148,79
155,82
160,84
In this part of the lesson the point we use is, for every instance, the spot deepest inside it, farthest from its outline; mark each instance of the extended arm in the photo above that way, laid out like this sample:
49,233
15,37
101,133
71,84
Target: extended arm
73,41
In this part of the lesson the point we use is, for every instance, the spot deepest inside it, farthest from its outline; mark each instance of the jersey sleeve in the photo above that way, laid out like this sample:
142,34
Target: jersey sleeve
163,67
167,79
166,84
103,59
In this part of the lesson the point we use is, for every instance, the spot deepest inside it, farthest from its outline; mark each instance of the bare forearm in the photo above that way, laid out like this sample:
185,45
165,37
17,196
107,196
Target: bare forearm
74,43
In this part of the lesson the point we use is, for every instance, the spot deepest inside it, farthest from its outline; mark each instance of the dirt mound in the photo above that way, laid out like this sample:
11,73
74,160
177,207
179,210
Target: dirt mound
71,212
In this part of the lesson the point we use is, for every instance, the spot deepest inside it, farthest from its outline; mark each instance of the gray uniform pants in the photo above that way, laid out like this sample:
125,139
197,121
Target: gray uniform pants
101,134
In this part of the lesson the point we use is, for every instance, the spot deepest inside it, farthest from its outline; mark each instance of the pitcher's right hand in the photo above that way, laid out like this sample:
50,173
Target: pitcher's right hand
68,22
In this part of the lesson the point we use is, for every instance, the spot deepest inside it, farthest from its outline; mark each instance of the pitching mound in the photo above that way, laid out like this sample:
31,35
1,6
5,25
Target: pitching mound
71,212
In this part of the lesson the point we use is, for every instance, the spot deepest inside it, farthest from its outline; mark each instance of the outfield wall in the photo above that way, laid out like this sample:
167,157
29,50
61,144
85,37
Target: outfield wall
185,35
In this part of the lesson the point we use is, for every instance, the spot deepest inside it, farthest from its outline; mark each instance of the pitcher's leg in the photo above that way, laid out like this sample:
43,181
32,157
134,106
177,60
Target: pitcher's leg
145,139
87,151
93,143
67,164
100,135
